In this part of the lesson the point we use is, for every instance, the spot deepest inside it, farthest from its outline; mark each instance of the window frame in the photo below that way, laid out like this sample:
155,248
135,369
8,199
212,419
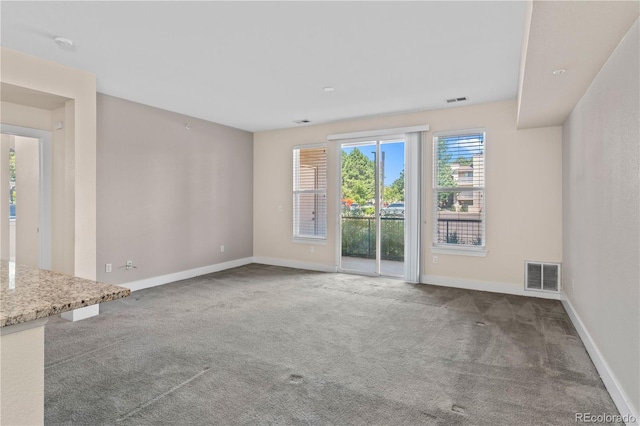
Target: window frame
449,248
296,236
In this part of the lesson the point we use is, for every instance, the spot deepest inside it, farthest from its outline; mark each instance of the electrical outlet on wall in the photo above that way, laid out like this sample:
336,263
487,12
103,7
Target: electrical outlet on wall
435,259
221,249
107,267
312,249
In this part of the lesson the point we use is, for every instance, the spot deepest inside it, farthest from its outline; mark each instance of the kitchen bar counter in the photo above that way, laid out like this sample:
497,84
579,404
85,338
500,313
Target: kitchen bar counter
29,293
28,296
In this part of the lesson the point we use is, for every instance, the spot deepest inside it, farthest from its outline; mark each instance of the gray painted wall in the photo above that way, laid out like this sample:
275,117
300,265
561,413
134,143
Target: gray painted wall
601,153
169,197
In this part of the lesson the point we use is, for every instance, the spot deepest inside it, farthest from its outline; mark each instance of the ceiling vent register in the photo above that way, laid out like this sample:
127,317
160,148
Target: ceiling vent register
452,100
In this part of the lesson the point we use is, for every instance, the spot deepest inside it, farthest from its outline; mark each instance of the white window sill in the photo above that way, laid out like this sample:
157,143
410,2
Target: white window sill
310,240
460,251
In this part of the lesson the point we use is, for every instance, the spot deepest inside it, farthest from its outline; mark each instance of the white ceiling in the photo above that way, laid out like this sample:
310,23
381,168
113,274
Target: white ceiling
577,36
262,65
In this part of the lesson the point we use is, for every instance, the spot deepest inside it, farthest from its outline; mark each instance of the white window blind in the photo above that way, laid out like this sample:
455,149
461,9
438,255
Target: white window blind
458,182
310,192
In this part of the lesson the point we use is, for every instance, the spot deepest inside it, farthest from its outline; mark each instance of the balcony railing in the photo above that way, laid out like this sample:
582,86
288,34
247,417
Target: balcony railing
359,235
460,231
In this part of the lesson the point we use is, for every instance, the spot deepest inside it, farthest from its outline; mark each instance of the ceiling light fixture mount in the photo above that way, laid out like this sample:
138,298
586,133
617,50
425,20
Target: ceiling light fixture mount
559,72
63,42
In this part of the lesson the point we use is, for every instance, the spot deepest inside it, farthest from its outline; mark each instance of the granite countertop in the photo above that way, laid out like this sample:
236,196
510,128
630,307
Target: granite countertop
29,293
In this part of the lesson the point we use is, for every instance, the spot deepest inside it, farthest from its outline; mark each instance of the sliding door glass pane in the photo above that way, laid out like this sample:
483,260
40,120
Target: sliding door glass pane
392,207
358,214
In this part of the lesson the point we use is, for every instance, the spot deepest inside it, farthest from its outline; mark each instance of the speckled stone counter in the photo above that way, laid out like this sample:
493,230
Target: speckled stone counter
27,297
29,293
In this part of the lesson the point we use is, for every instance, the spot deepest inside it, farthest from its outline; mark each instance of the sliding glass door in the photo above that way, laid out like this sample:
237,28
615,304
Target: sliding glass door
372,212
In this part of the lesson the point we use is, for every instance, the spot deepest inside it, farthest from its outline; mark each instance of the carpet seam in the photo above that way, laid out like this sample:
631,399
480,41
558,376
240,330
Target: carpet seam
159,397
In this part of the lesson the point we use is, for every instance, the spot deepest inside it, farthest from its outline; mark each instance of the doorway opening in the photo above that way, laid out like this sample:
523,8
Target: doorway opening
25,218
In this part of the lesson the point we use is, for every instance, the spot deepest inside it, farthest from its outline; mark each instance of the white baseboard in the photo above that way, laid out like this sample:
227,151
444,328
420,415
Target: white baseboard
183,275
493,287
608,378
295,264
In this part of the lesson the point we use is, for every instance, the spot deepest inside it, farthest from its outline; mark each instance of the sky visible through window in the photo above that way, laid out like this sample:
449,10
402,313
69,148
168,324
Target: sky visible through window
394,158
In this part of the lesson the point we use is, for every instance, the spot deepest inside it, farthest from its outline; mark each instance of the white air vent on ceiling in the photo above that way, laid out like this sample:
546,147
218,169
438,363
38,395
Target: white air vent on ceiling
540,276
452,100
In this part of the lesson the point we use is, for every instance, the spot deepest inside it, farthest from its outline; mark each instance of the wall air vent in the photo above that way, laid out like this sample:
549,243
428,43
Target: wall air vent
302,121
452,100
541,276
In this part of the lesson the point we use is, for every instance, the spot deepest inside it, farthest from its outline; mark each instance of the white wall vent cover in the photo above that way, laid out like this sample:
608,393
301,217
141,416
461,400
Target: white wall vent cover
541,276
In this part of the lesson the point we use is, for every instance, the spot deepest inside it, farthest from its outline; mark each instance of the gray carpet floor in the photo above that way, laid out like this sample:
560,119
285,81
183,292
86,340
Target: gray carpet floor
262,345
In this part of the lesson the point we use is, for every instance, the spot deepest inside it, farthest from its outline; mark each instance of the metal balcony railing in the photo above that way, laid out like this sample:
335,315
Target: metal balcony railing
460,231
359,235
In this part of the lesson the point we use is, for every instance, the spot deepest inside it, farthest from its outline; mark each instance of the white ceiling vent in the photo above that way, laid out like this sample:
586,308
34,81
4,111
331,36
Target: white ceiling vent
452,100
541,276
302,121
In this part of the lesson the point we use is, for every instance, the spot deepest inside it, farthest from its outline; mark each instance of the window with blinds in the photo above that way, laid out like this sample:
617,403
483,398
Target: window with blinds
310,192
458,189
